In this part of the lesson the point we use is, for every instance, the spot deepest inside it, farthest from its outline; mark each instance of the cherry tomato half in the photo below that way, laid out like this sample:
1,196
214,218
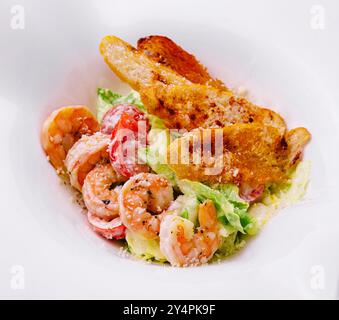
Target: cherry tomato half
131,116
128,127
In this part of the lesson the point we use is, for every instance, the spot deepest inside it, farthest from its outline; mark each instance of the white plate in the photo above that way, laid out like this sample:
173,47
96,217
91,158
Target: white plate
47,250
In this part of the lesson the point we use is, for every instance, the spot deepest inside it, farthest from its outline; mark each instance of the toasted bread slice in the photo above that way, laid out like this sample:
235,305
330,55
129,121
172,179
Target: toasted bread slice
193,106
247,154
166,52
296,139
135,67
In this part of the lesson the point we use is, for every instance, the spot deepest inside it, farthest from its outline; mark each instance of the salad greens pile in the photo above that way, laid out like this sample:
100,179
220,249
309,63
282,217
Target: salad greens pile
107,99
237,218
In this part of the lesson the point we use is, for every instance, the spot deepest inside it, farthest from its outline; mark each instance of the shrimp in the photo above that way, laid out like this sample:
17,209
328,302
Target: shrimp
100,191
183,247
62,129
112,229
143,200
84,155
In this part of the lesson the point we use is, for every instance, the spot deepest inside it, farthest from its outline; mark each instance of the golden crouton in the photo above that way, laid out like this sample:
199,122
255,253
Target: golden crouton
165,51
193,106
134,67
243,154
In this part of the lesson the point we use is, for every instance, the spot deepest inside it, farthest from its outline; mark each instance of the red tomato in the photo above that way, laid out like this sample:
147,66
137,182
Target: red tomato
113,229
110,119
130,114
127,136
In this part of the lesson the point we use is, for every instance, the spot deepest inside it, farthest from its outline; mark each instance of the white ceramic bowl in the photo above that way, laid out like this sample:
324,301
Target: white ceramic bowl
45,240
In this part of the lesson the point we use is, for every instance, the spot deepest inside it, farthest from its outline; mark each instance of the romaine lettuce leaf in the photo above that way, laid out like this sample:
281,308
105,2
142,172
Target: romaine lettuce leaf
186,206
158,167
230,212
144,248
229,245
107,99
156,151
231,192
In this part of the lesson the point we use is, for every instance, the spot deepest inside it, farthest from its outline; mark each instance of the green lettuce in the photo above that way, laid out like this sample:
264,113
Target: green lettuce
229,245
156,151
158,167
186,206
231,210
107,99
190,205
147,249
231,192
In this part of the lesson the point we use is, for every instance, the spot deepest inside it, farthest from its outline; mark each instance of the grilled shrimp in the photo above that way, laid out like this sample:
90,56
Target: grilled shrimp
183,247
112,229
84,155
143,201
101,190
63,128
